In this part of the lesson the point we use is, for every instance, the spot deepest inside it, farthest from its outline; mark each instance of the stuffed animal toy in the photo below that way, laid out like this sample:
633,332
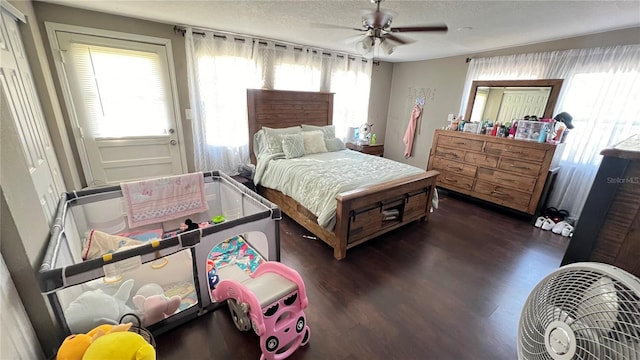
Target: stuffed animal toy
156,307
120,345
75,346
96,307
150,289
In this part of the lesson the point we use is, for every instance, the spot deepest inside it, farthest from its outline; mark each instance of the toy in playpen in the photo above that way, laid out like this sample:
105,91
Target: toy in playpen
271,300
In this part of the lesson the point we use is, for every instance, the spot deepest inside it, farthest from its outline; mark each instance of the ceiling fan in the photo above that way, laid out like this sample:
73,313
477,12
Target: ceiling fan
376,28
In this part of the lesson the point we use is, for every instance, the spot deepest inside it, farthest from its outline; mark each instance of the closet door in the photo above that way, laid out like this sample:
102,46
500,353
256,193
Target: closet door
20,342
31,185
21,106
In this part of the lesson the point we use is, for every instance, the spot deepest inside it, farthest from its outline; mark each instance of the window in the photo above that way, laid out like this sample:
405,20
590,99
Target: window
223,84
296,78
116,110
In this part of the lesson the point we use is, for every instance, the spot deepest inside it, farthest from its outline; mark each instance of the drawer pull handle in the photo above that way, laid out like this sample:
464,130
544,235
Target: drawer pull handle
460,143
503,179
452,154
494,192
519,167
455,168
452,180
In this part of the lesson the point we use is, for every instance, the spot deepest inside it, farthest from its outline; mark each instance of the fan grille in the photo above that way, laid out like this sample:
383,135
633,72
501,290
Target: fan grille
599,311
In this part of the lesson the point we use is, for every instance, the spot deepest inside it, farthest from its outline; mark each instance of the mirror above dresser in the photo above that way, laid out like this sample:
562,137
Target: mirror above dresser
505,100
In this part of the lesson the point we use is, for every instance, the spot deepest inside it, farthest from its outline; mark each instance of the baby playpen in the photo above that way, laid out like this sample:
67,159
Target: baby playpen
97,267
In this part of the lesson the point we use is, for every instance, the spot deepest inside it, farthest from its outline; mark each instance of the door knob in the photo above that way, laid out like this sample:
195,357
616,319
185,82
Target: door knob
173,142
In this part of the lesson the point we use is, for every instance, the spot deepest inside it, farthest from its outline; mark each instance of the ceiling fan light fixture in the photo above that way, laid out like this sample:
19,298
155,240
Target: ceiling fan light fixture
387,47
365,45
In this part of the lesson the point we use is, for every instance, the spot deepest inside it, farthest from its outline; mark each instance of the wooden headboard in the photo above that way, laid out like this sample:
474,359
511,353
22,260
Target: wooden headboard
280,109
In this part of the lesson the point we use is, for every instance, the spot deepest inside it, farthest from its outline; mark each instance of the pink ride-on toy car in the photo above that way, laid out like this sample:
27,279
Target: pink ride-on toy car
271,301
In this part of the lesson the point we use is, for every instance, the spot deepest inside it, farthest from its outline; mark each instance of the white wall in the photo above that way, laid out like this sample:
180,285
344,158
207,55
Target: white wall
442,80
381,76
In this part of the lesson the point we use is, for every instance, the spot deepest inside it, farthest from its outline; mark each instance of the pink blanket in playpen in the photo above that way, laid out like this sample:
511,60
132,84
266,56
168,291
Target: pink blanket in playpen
156,200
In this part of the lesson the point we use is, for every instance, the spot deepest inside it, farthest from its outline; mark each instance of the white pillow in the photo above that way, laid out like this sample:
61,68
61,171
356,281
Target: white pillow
329,131
259,143
292,145
314,142
274,137
334,144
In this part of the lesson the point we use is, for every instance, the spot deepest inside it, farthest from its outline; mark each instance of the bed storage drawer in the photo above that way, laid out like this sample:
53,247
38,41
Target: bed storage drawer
364,223
416,204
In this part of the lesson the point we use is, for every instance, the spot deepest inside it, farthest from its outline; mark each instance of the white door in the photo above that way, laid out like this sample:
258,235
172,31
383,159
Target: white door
17,338
20,110
21,105
516,104
123,101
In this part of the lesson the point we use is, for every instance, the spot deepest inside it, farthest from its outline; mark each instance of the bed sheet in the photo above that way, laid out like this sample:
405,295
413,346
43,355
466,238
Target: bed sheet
315,180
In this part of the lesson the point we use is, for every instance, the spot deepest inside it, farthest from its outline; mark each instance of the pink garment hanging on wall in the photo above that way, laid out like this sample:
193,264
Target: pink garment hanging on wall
411,130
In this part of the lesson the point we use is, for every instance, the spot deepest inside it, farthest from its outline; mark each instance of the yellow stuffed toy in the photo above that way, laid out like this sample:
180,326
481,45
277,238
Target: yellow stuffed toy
106,342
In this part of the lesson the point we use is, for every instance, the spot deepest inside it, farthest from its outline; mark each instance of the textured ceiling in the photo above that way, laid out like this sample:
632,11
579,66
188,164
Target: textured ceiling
494,24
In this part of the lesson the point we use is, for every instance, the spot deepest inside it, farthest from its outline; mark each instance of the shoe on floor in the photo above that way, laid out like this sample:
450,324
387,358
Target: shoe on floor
567,230
539,221
548,224
558,227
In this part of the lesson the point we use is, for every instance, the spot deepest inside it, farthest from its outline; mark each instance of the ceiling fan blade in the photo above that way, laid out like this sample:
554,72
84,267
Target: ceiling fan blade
398,39
333,26
353,39
435,28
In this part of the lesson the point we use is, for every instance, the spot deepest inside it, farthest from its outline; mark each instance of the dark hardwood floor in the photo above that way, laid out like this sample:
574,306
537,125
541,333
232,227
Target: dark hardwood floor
452,288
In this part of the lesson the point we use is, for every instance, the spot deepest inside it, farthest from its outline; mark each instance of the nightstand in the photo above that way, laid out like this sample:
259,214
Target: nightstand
377,149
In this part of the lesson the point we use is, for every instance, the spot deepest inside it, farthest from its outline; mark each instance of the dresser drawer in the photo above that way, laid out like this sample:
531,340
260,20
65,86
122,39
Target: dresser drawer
481,159
520,167
448,153
505,195
519,182
458,181
460,143
515,151
454,167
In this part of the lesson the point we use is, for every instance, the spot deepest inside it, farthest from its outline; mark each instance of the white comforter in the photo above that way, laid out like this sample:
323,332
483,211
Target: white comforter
315,180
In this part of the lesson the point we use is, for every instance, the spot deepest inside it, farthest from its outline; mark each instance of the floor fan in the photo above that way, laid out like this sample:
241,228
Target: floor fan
587,311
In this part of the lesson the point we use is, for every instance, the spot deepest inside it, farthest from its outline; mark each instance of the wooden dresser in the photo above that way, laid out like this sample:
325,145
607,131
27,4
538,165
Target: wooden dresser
507,172
608,230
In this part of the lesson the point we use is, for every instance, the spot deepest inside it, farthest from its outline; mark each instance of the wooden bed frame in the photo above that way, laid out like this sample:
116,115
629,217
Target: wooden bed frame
359,214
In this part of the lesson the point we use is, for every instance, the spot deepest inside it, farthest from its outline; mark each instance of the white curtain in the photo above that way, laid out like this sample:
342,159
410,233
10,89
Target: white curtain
220,71
601,90
223,66
350,80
